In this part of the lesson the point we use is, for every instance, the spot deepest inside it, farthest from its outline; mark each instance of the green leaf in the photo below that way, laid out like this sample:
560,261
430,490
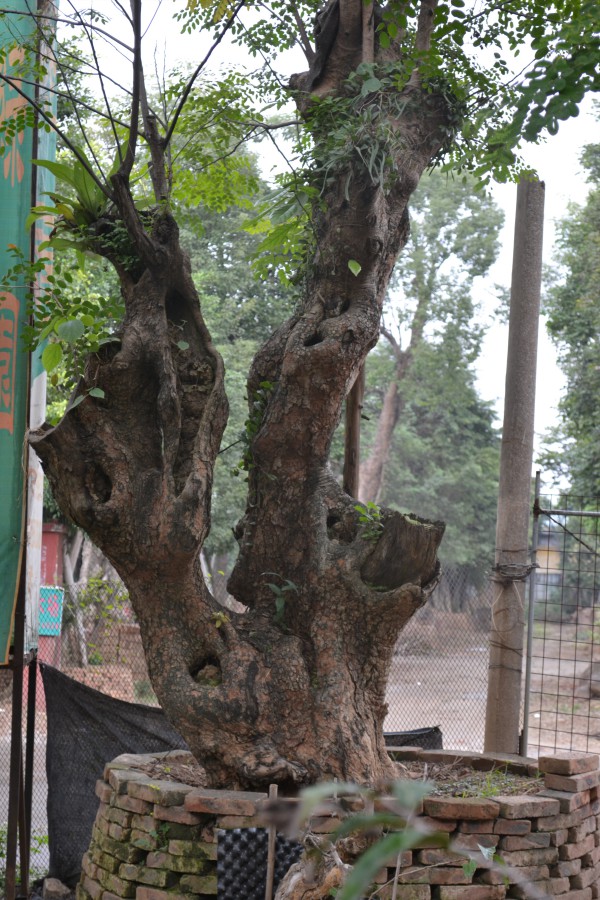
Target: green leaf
370,86
373,859
354,266
71,330
51,356
75,402
183,345
97,392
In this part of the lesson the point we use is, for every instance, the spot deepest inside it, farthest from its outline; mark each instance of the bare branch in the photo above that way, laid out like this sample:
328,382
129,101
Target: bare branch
186,91
127,163
12,83
63,21
102,86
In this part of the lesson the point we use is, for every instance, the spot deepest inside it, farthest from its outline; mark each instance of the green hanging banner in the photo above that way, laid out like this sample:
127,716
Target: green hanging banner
15,204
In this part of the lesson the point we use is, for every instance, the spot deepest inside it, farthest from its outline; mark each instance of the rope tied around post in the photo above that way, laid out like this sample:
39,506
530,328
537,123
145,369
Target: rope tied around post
508,573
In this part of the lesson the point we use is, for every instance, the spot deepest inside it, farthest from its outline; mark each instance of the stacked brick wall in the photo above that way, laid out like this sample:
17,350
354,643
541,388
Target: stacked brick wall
156,840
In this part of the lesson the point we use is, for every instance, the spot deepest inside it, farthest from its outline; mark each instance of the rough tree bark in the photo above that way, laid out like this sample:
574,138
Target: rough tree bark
293,690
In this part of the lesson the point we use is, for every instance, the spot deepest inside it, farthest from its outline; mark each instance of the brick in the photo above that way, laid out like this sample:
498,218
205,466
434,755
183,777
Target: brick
430,824
148,893
178,815
228,803
473,841
550,887
161,878
440,858
81,893
585,894
93,889
472,892
129,872
119,816
483,826
206,884
586,877
107,862
124,801
460,808
117,885
526,807
442,875
101,811
523,873
554,886
120,779
118,833
194,865
165,793
143,841
558,837
572,782
568,801
193,848
405,892
591,858
323,824
123,852
578,832
103,791
143,823
102,825
537,857
562,820
512,826
226,822
566,868
526,842
574,851
568,763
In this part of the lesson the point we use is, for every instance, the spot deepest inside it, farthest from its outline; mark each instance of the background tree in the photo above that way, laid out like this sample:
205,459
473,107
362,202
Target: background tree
293,689
454,240
573,307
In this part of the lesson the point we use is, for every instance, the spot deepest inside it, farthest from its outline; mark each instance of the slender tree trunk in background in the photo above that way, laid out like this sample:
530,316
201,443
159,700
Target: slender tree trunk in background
70,559
514,498
372,469
354,406
293,689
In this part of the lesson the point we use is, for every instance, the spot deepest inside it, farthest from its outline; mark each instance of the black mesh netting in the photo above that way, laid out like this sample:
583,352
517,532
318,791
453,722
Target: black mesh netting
427,738
86,729
242,862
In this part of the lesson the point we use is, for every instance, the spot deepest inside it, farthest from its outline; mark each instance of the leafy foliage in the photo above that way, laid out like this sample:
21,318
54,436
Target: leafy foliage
573,308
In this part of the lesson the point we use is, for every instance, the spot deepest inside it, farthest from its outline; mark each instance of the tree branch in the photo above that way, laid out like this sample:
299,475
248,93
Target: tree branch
61,134
186,91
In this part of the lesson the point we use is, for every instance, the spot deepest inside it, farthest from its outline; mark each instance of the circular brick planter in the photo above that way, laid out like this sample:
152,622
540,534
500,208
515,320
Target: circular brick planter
157,840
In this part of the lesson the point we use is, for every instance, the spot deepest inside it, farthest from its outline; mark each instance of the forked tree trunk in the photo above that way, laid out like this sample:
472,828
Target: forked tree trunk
293,690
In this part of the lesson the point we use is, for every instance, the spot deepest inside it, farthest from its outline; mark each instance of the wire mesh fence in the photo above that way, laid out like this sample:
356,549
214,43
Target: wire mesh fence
439,672
564,695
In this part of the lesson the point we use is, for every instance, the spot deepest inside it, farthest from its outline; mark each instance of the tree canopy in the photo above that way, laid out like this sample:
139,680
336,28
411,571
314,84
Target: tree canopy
573,308
290,688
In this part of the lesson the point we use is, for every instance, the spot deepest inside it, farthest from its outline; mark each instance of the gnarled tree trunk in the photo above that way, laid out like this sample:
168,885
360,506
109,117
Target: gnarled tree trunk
293,690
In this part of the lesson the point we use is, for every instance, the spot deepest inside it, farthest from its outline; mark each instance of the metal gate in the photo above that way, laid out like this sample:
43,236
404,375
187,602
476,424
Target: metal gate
561,708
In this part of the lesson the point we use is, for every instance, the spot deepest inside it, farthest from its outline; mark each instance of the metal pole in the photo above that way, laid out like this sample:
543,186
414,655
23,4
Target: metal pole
15,794
503,708
535,538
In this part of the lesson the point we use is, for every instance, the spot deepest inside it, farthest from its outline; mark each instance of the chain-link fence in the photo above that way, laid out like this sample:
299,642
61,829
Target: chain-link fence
564,693
439,672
